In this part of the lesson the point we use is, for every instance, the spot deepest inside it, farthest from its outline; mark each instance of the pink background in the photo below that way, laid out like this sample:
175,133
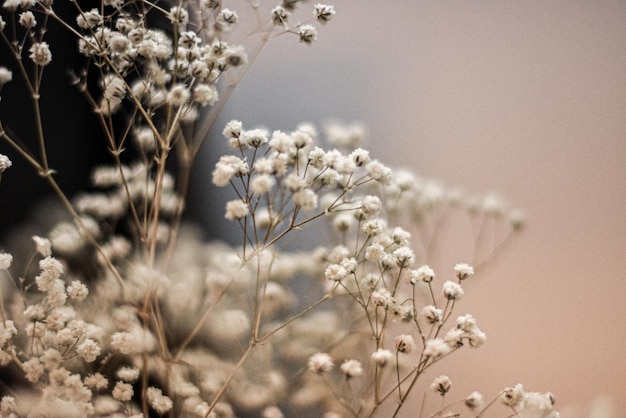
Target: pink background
524,97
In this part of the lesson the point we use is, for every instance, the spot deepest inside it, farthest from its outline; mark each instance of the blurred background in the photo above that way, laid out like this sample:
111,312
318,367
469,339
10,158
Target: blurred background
524,98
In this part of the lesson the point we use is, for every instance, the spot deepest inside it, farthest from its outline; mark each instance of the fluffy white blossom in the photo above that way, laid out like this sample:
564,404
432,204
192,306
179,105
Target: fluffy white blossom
351,368
405,343
5,163
463,271
40,53
5,260
307,34
320,363
452,290
441,384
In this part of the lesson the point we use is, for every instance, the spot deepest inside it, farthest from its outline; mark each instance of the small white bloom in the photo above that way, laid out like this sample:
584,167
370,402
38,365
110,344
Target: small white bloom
423,273
5,76
305,199
8,407
123,392
178,16
226,18
463,271
512,396
351,368
27,20
323,13
307,34
436,348
159,402
452,290
40,53
178,95
205,95
403,256
5,261
77,290
280,16
236,209
320,363
432,314
441,384
381,357
335,272
474,401
405,343
128,374
42,246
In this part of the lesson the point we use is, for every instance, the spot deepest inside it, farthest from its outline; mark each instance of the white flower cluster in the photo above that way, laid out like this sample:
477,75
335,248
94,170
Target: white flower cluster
284,180
119,318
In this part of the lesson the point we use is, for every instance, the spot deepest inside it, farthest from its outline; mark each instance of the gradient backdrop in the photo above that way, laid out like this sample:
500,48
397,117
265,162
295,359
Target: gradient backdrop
524,97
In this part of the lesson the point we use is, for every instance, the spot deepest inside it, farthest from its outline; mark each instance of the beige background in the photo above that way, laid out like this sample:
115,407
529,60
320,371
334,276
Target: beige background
524,97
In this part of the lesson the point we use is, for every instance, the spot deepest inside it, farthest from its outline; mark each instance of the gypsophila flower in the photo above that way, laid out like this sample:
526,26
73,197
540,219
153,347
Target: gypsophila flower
435,348
34,313
280,15
441,385
405,343
40,53
320,363
512,396
226,18
463,271
123,392
89,350
7,331
382,297
335,272
96,381
323,13
128,374
432,314
5,163
423,273
178,95
27,20
305,199
5,261
307,34
404,257
77,290
381,357
474,401
179,16
236,209
8,407
42,246
351,368
272,412
370,206
5,76
205,95
374,227
89,19
159,402
33,369
452,290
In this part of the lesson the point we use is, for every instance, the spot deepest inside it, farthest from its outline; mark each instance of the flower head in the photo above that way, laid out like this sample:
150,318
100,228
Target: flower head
307,34
40,53
463,271
320,363
441,385
351,368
